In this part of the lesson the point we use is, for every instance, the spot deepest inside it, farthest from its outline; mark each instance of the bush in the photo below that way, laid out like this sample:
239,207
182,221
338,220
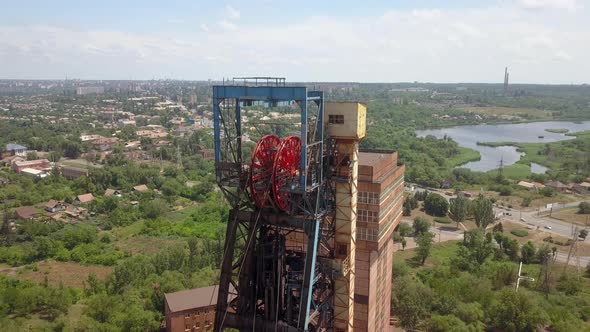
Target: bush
584,208
519,232
442,220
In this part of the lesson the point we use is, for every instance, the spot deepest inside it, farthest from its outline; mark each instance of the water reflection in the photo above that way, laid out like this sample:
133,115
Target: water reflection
468,136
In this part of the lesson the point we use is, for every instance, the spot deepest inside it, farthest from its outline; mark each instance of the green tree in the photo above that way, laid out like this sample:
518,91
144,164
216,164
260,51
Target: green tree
411,302
459,208
420,225
483,212
424,243
584,208
515,312
436,205
583,234
440,323
526,202
528,253
407,210
404,229
32,155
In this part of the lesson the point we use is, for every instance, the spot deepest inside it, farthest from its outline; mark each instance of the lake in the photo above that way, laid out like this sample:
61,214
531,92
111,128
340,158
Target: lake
468,136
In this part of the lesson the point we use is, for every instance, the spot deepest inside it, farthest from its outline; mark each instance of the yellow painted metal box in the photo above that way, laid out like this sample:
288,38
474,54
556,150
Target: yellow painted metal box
346,120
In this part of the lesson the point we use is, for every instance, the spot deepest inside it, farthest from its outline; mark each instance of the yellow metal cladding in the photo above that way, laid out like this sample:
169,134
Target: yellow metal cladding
346,119
345,220
346,123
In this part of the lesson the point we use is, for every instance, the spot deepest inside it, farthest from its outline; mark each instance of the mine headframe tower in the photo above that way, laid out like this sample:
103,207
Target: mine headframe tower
269,283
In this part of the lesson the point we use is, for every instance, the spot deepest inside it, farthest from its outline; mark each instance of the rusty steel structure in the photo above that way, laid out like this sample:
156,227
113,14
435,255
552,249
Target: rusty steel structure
267,282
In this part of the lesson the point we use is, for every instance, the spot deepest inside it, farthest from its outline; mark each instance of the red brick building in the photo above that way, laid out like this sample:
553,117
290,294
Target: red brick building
379,211
191,310
40,164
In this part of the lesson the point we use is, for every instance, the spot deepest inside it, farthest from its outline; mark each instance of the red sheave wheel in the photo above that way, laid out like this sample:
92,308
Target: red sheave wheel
261,166
285,170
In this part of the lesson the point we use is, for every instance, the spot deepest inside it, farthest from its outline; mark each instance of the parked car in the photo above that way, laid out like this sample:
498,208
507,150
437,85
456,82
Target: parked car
547,227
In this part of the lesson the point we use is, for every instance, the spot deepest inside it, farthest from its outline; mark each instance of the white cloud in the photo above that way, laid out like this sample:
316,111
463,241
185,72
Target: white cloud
549,4
443,45
227,25
231,13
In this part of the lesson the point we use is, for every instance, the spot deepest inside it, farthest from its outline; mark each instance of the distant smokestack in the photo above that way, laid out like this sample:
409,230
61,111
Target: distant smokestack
506,76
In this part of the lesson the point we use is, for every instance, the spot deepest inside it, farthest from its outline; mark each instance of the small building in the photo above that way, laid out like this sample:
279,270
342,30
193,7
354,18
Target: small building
34,173
75,212
533,186
27,213
583,187
54,206
191,310
39,164
558,186
142,188
113,192
83,199
16,150
72,173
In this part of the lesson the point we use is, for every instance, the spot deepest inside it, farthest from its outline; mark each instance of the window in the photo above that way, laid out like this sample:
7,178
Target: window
336,119
342,250
367,216
367,234
368,197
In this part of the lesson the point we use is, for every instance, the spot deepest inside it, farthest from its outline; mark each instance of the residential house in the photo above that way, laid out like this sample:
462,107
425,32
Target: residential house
558,186
54,206
105,143
16,150
27,213
191,310
113,192
533,186
75,211
83,199
583,187
142,188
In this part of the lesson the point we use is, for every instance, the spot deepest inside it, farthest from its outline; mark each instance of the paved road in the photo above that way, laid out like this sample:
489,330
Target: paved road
532,219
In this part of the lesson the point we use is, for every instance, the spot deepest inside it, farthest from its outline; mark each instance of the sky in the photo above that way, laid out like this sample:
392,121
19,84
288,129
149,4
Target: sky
541,41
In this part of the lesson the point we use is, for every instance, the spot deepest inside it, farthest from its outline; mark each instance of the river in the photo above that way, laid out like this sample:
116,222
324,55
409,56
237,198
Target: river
531,132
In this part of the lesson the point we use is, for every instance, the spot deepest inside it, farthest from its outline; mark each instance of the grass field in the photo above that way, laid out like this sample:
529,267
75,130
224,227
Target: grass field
571,215
465,155
146,244
515,171
68,273
514,111
182,214
579,133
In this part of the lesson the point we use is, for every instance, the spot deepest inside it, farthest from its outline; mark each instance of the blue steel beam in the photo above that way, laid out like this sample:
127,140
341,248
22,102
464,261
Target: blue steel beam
275,95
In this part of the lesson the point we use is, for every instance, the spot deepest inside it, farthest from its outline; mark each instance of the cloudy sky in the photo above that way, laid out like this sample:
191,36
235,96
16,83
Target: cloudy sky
541,41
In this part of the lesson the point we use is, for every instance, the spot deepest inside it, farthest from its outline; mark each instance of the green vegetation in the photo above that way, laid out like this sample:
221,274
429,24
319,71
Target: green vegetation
584,208
443,220
519,232
469,286
558,131
436,205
